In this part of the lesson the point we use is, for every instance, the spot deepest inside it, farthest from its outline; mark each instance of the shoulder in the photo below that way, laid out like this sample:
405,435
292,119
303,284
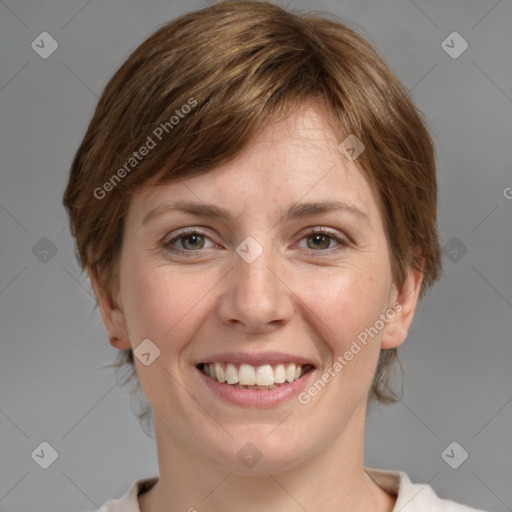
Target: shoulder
414,497
411,497
129,502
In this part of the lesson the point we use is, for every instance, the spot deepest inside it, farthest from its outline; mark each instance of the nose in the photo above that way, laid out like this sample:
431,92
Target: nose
256,298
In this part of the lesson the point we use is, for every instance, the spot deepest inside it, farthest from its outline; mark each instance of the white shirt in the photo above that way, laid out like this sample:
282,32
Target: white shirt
410,497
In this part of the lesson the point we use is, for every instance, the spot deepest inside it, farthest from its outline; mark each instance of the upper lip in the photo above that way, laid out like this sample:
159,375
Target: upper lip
255,359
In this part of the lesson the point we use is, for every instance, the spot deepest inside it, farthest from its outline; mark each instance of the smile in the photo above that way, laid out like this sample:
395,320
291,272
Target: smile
247,376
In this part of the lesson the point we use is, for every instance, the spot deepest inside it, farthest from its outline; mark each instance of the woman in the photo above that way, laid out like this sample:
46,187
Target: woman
255,203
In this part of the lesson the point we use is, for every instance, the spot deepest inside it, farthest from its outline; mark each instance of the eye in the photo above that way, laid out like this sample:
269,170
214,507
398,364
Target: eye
191,240
320,240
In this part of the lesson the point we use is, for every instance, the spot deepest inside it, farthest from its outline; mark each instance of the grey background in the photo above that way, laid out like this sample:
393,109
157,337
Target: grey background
457,357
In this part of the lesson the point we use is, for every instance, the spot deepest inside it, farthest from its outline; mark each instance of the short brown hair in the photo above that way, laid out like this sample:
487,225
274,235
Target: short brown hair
243,65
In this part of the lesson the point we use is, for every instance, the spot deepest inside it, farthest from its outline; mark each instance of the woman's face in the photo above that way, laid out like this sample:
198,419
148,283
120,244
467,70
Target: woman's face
259,288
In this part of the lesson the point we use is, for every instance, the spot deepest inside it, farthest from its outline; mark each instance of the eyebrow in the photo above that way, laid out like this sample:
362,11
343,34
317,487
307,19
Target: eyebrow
294,211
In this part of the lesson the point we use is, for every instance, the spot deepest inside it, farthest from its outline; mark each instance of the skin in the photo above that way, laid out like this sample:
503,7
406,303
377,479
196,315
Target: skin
302,295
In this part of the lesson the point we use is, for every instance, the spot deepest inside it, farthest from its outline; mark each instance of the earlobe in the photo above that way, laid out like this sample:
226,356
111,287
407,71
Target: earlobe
111,314
404,304
120,343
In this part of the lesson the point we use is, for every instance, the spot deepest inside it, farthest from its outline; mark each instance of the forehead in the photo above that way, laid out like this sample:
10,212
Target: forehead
293,160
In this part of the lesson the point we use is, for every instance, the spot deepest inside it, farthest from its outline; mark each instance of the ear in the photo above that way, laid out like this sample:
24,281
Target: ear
403,303
111,313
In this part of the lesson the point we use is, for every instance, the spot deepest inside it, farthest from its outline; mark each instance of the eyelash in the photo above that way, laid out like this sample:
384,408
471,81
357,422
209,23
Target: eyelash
343,242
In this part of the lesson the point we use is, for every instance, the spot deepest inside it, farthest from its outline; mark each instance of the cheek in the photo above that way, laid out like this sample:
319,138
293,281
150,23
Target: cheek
353,342
346,307
157,302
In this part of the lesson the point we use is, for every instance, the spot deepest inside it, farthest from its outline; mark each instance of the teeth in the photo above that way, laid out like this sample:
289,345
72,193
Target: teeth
231,374
265,375
279,374
290,372
219,372
248,376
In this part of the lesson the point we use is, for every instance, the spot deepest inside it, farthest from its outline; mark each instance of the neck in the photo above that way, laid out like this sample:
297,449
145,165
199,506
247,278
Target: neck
332,479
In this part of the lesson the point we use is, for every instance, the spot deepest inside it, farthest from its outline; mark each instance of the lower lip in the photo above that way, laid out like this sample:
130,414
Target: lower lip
255,397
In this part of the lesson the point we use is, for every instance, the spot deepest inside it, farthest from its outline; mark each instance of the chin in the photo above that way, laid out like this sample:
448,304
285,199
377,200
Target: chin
255,452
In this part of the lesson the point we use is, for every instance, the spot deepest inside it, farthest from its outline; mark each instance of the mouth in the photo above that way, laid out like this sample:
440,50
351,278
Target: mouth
263,377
